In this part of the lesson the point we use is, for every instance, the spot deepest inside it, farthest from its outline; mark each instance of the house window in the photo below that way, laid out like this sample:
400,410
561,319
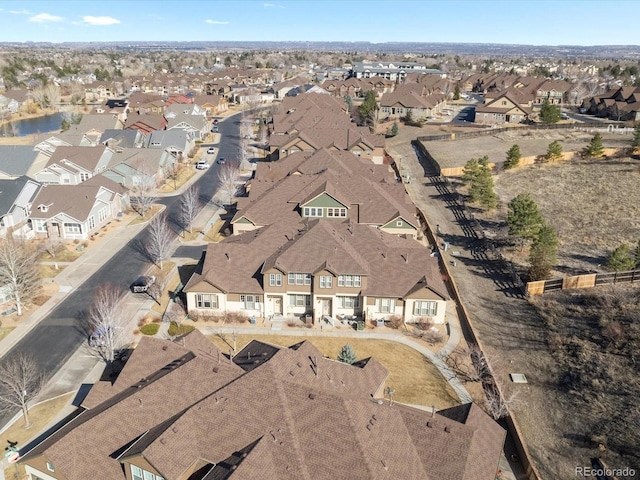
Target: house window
249,301
39,226
398,223
424,308
275,280
72,228
326,281
336,212
348,302
84,177
299,300
299,279
206,300
102,214
50,467
91,222
136,473
386,305
349,280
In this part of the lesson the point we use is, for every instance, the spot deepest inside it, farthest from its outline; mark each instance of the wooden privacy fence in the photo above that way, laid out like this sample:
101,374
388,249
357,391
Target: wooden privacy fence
588,280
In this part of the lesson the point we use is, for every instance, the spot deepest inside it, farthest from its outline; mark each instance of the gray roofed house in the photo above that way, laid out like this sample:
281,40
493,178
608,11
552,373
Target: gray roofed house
140,166
182,410
176,140
16,160
16,197
115,139
196,125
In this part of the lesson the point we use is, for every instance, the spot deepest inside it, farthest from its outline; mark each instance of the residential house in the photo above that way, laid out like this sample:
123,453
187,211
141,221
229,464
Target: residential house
176,142
116,107
328,184
407,100
134,167
116,139
212,104
329,269
73,165
146,123
272,412
16,160
552,91
15,202
189,118
74,212
509,107
145,103
621,103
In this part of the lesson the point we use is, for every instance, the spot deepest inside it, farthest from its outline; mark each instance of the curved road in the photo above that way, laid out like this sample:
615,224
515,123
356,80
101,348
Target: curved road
52,342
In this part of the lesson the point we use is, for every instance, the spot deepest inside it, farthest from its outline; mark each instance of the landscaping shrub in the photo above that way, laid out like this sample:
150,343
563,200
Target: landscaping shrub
176,330
396,322
150,329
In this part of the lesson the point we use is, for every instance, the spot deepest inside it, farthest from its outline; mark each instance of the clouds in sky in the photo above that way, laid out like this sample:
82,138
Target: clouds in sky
215,22
20,12
45,18
272,5
91,20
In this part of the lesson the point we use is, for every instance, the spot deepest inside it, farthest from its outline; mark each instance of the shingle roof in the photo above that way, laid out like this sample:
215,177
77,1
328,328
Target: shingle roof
296,415
85,157
15,160
75,201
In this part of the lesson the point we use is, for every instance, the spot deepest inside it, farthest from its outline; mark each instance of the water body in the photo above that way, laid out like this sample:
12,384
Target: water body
29,126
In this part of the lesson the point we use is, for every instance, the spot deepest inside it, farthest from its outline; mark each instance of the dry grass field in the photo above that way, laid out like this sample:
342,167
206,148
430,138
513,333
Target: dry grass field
532,142
593,204
414,379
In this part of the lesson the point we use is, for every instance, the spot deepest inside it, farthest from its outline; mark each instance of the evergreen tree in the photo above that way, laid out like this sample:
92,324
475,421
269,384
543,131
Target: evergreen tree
347,355
524,218
543,254
513,157
456,92
554,152
595,148
367,109
477,174
549,113
621,258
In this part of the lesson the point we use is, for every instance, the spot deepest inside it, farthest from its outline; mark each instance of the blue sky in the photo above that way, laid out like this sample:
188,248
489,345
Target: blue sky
537,22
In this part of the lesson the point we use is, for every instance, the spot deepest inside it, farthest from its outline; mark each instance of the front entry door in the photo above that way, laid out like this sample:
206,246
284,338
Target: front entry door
326,306
277,305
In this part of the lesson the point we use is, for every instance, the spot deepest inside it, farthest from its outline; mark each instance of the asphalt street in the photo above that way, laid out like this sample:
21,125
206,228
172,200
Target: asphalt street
52,342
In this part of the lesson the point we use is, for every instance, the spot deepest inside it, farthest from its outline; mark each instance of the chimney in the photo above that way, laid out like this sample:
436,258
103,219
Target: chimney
228,256
433,411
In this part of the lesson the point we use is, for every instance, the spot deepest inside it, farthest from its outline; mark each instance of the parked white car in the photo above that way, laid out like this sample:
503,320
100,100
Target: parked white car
202,165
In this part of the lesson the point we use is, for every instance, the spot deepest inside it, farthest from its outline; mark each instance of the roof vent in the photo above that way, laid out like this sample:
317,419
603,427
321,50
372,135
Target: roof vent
430,424
447,429
312,396
164,348
369,426
216,369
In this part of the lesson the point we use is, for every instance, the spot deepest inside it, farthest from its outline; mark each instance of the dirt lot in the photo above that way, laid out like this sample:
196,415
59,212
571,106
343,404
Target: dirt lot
532,142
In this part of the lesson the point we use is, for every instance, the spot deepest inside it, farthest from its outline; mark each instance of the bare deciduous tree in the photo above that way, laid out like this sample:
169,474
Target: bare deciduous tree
498,405
53,245
159,236
145,185
189,206
468,364
106,322
20,382
228,177
18,270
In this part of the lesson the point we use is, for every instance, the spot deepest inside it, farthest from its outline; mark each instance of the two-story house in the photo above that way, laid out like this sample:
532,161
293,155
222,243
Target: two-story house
508,107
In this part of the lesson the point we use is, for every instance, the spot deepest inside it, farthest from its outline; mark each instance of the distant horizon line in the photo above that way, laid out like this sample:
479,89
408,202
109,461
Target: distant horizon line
111,42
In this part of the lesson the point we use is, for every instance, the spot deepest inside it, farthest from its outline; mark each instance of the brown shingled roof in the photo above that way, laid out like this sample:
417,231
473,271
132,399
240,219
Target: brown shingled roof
297,415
